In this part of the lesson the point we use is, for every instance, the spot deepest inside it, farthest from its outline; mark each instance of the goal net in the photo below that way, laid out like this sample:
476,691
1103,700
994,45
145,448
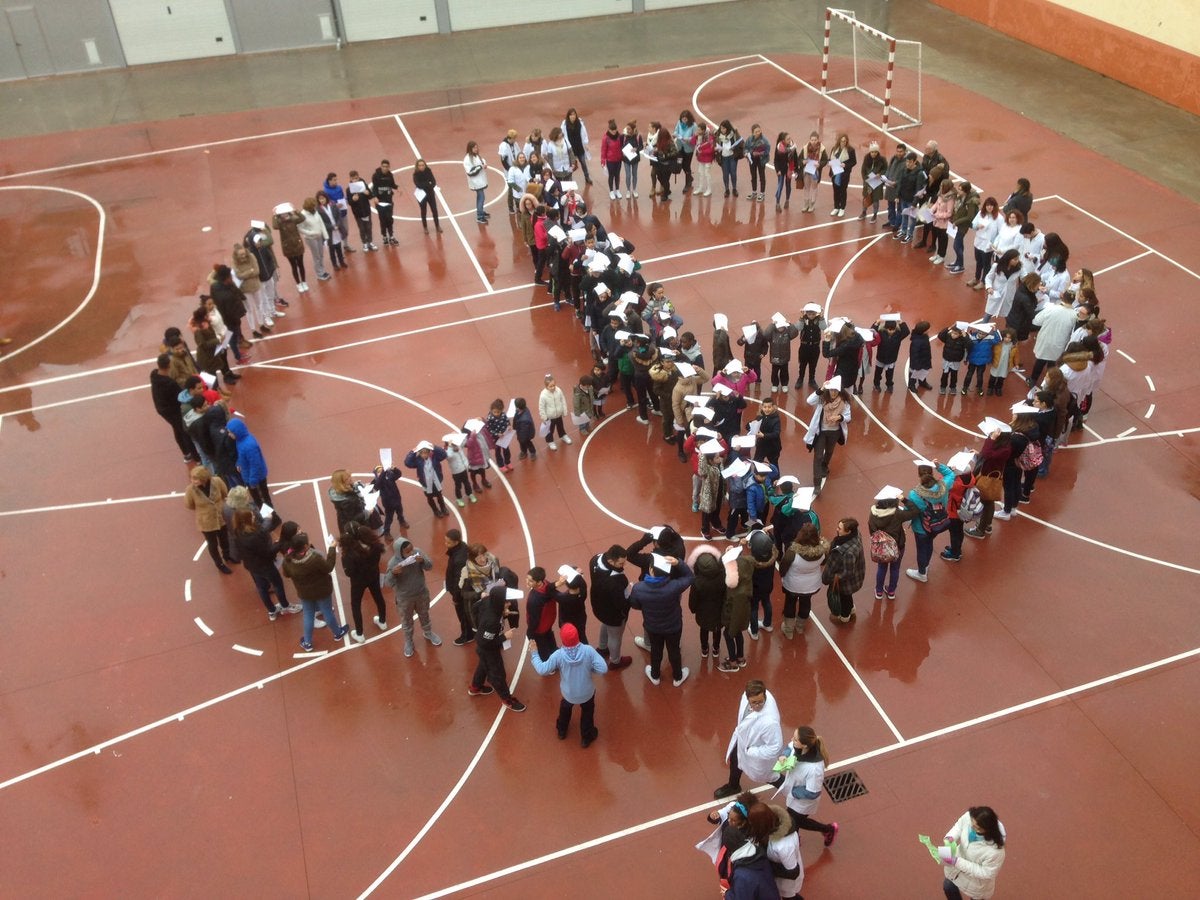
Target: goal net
881,69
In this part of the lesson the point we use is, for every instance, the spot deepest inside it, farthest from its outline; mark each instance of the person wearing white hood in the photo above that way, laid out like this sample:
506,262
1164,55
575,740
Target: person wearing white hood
574,662
757,741
828,428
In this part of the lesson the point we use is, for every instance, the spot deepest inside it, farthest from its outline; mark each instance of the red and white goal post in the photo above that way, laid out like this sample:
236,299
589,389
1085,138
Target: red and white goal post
879,67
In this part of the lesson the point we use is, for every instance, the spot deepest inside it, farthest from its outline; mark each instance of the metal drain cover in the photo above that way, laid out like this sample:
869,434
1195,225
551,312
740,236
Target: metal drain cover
844,786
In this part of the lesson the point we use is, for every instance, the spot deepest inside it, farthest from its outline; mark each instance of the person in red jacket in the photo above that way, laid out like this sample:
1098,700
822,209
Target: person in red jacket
541,612
610,158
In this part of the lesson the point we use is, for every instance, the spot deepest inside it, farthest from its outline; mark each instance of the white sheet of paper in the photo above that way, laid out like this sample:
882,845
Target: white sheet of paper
755,427
749,332
810,167
629,153
744,441
544,429
512,409
236,281
357,187
343,205
687,370
557,233
951,229
890,317
990,424
615,241
505,439
209,380
267,511
385,457
577,234
569,185
961,461
580,419
836,167
924,214
874,181
419,195
224,345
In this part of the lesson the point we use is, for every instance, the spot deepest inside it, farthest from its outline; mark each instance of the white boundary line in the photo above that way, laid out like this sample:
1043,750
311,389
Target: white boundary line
438,198
1150,411
705,83
491,877
857,678
1123,262
250,651
95,267
202,626
360,121
337,586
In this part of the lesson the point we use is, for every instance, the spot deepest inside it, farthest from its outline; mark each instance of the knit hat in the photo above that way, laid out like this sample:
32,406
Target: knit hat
570,635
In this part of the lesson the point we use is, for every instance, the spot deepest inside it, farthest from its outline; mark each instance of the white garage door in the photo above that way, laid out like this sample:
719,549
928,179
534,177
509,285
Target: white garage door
162,30
377,20
469,14
671,4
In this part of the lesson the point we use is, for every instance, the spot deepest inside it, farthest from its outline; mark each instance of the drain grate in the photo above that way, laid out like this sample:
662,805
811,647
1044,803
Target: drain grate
844,786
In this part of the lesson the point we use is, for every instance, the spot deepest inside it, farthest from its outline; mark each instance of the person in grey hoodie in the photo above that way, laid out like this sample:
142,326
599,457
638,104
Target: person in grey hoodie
406,576
574,662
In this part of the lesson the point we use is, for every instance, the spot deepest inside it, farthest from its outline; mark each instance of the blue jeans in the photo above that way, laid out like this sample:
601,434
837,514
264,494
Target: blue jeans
480,213
310,612
265,582
958,247
893,218
908,224
781,182
729,172
631,172
924,551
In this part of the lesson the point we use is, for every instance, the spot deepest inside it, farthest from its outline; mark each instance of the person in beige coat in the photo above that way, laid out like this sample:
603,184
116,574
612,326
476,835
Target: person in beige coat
206,495
552,406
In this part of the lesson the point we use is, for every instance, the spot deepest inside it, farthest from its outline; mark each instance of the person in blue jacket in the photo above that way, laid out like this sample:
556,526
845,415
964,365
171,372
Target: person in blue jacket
523,426
427,460
250,461
763,475
932,497
979,354
575,664
752,877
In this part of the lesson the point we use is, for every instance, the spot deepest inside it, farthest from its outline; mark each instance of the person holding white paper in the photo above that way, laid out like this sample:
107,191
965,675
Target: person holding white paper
245,270
310,574
383,186
497,425
843,153
828,427
610,158
386,485
941,209
911,184
966,206
492,636
632,145
706,151
477,180
359,201
812,158
559,155
424,189
874,167
979,836
329,219
337,200
405,574
427,460
891,336
730,148
986,224
758,148
315,235
785,169
552,406
1001,283
891,187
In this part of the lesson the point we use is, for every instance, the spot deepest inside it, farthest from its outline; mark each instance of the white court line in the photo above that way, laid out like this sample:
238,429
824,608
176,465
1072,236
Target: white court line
286,488
1127,356
95,267
1123,262
705,83
187,590
1093,431
1170,432
857,678
1128,431
1149,413
359,121
249,650
203,627
491,877
199,552
1150,382
438,198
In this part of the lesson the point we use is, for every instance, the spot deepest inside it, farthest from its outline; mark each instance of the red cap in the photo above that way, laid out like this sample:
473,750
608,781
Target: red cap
570,635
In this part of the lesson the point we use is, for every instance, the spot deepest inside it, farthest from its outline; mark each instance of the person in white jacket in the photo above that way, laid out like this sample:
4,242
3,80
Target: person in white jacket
757,740
803,782
477,180
1055,324
980,837
552,406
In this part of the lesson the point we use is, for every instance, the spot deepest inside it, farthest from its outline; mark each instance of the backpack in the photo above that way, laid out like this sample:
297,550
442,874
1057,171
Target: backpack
1031,456
934,518
970,508
884,548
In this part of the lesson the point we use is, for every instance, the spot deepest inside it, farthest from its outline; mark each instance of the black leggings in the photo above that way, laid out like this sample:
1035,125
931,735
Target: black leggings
808,358
797,605
614,175
297,263
336,256
503,456
758,173
780,373
462,484
556,425
218,545
386,222
940,240
429,203
804,822
983,261
710,637
735,644
356,598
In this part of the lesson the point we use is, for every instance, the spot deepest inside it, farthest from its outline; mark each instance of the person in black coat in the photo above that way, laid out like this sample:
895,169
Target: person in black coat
252,537
424,180
610,605
1024,306
231,303
385,484
920,357
456,560
571,595
891,337
754,351
954,350
843,347
165,393
362,551
492,613
383,185
770,442
359,200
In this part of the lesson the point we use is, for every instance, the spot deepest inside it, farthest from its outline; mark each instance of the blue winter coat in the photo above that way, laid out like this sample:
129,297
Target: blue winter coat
574,666
250,460
980,353
413,461
660,600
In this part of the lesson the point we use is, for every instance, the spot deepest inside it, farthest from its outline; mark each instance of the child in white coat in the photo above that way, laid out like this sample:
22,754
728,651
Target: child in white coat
456,459
552,406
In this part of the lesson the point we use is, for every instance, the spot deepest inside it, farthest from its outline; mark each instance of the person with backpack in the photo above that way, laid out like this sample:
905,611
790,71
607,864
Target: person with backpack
931,497
964,506
885,524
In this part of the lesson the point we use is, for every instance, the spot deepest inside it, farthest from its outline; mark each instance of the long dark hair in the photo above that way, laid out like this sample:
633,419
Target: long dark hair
988,824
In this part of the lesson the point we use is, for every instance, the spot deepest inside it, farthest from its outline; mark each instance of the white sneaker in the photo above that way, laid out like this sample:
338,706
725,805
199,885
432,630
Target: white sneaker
553,446
653,680
937,260
683,676
612,195
382,625
320,623
641,643
754,635
279,314
1002,515
916,575
766,628
567,439
643,421
635,193
833,212
304,286
618,193
358,638
270,323
784,389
